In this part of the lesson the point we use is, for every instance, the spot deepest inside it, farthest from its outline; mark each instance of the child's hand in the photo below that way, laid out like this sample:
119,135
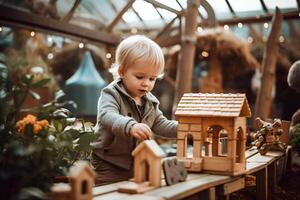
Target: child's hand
141,131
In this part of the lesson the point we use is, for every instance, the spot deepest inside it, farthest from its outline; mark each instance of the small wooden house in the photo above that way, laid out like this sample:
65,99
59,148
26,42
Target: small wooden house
147,168
81,178
216,126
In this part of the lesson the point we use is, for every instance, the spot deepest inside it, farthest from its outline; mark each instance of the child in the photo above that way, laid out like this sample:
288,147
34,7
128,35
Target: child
127,111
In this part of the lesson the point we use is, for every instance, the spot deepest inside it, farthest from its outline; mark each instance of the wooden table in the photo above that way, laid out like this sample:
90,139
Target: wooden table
208,186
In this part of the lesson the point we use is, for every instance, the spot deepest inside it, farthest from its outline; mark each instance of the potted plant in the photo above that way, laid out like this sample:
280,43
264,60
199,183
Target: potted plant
40,146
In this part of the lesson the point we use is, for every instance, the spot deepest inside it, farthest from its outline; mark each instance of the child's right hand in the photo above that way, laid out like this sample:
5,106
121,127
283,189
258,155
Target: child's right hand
141,131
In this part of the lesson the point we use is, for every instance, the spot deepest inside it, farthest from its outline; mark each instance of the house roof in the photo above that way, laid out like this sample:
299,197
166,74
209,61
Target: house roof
78,168
152,146
211,104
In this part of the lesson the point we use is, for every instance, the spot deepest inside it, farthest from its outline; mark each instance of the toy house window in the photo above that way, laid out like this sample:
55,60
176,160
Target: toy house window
84,187
239,144
219,138
223,142
189,144
146,170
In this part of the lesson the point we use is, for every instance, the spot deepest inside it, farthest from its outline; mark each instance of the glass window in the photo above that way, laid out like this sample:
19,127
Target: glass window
282,4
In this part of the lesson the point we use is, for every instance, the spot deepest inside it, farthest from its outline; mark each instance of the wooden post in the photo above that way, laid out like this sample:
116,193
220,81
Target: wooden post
213,83
187,53
262,184
264,97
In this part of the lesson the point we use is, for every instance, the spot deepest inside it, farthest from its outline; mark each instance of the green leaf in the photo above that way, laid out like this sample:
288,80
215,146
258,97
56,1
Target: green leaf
26,79
40,83
60,124
34,95
85,140
73,132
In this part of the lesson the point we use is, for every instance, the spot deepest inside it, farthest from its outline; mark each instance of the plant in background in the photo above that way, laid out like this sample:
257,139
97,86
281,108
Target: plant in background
42,145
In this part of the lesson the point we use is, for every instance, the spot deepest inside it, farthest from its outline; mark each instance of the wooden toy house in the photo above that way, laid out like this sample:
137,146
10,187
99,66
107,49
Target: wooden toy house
147,168
82,181
216,126
81,177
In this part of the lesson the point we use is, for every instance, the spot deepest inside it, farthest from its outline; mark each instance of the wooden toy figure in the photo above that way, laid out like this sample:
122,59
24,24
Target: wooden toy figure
147,168
217,125
268,135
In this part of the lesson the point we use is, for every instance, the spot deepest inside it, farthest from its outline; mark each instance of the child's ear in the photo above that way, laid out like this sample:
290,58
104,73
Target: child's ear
121,71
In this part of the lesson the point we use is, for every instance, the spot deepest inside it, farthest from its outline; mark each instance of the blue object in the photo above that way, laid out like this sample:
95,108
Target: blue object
84,87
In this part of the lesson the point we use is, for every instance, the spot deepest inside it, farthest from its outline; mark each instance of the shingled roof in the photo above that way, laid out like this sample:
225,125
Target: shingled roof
210,104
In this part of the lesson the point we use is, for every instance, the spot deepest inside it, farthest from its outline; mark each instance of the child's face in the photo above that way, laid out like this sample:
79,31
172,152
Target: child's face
139,78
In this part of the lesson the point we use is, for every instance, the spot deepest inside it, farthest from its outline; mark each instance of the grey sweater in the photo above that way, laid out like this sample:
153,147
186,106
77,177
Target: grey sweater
117,112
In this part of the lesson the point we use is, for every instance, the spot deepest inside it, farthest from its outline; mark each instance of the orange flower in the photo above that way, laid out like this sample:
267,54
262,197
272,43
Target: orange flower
37,128
44,123
31,119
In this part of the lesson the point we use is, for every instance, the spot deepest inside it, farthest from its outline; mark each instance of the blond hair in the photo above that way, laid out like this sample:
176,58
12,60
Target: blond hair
134,48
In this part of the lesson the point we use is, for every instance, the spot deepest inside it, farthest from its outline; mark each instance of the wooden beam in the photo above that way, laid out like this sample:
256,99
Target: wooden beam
264,6
140,18
298,3
119,15
230,8
256,37
71,12
264,97
116,10
187,53
156,3
211,20
259,19
168,41
18,18
162,17
166,27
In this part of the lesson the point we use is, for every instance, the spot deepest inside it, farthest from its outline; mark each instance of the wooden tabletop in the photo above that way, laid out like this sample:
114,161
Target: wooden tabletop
195,183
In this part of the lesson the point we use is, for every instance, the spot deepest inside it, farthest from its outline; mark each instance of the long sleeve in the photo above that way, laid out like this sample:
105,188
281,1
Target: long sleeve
109,116
164,127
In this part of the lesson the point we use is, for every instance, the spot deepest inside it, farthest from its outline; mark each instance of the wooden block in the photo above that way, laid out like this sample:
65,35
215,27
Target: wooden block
231,187
183,127
174,171
181,135
135,188
195,127
192,164
218,164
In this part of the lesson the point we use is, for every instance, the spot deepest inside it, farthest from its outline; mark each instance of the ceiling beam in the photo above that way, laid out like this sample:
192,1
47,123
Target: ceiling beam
230,8
167,41
156,3
263,5
298,3
162,18
119,16
112,5
259,19
19,18
166,27
138,15
69,15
